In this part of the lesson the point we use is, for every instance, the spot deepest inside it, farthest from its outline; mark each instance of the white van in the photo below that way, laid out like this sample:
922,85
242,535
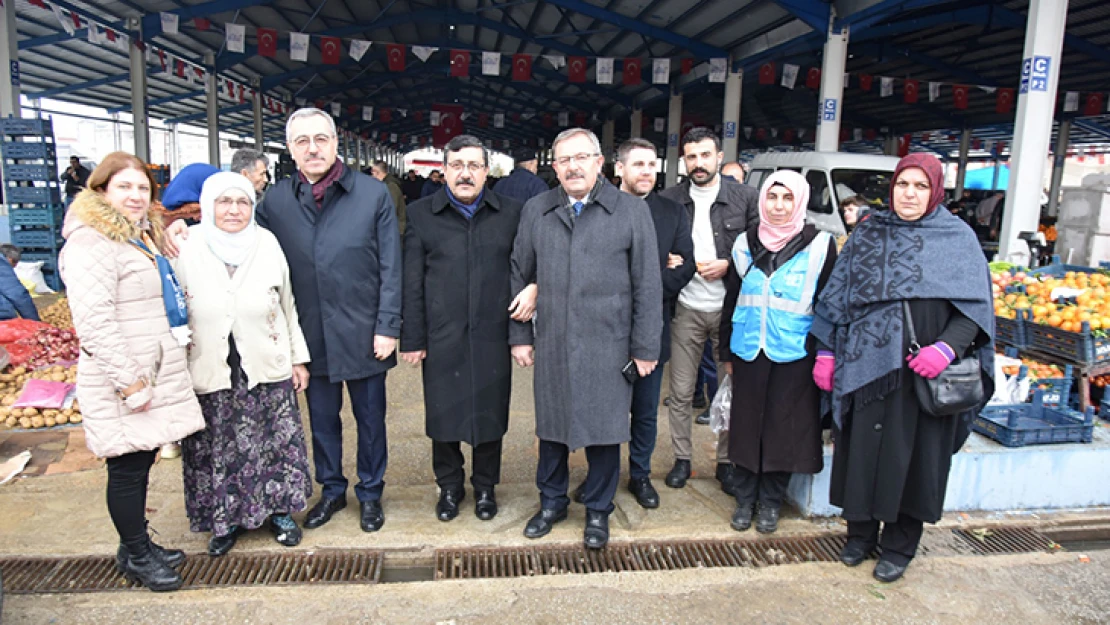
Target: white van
832,177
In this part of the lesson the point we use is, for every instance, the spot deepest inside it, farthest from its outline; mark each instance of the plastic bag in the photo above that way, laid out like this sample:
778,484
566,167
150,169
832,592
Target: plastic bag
720,410
43,394
13,330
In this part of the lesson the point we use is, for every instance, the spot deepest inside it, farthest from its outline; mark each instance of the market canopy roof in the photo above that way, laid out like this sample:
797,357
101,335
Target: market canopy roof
970,45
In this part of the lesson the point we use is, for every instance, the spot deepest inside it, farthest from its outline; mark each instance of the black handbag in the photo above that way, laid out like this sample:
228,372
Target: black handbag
957,389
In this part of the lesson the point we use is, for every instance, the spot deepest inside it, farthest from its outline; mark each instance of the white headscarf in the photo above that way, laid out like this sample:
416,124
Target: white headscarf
230,247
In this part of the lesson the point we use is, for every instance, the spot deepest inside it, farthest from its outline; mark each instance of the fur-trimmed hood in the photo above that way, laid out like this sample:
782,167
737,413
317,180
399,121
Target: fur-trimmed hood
90,209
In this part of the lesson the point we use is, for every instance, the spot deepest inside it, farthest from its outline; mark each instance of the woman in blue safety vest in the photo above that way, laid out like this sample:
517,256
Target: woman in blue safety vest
779,267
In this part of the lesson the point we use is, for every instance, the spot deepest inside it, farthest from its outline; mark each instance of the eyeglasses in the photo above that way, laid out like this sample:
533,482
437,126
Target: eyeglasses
580,159
242,203
473,168
302,142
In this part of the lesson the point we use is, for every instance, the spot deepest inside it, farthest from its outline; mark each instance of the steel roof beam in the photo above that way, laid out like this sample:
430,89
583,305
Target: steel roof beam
814,13
628,23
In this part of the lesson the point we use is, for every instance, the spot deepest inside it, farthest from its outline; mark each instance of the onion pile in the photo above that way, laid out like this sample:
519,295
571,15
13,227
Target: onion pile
48,346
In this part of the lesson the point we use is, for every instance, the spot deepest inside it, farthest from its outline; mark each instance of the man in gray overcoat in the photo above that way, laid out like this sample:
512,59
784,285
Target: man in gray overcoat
593,252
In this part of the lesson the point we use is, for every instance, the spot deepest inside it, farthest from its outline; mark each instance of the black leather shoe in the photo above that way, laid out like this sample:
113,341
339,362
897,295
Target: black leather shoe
596,534
220,545
742,518
680,472
322,511
372,517
725,473
887,571
853,554
699,402
173,558
644,492
285,530
146,568
448,506
540,525
768,520
578,493
702,419
485,504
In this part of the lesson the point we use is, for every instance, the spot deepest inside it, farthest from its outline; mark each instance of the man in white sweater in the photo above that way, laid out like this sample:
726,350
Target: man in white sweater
720,209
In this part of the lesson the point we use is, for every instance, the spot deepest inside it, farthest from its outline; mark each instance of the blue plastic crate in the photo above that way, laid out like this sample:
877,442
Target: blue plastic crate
1020,425
28,150
49,260
16,126
49,215
33,173
1058,269
1056,391
1080,348
40,239
33,195
53,280
1011,332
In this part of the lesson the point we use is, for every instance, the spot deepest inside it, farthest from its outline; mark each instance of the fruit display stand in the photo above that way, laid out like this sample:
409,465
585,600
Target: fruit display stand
33,194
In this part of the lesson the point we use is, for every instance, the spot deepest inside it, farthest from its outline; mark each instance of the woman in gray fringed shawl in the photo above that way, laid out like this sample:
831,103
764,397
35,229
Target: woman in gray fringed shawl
891,459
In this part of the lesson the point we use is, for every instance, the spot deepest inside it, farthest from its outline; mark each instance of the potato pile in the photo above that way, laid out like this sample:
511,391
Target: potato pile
58,315
11,385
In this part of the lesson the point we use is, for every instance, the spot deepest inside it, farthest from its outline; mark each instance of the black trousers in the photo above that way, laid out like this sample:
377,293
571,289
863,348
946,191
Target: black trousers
553,476
768,487
899,540
127,483
448,462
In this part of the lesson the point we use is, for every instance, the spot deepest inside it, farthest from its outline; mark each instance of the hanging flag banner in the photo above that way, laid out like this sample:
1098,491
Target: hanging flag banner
604,71
909,91
393,137
857,134
267,42
298,47
491,63
395,52
1093,104
789,75
93,36
767,74
934,91
865,82
631,74
367,113
959,96
450,123
718,69
336,109
1004,102
498,120
65,22
169,23
236,37
557,60
358,49
660,71
687,66
460,63
331,48
522,67
1071,101
886,87
813,78
747,132
434,119
424,52
660,124
564,119
576,69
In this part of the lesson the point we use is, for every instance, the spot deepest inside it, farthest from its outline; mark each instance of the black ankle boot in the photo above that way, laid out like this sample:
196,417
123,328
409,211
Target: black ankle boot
142,565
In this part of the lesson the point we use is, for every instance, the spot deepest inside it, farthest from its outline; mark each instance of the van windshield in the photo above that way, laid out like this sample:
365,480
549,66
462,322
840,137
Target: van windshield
870,183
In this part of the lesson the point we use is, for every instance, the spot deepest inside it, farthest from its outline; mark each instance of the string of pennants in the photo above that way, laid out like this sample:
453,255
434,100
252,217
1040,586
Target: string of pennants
1094,103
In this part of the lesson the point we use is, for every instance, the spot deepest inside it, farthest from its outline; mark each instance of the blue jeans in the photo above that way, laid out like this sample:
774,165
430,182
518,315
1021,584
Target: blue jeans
645,412
325,400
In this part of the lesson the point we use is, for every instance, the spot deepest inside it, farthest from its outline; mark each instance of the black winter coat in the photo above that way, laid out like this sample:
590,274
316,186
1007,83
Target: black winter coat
345,265
456,300
521,185
672,230
735,210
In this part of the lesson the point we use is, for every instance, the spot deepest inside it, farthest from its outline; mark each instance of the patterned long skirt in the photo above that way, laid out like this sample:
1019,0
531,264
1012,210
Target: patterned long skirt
249,462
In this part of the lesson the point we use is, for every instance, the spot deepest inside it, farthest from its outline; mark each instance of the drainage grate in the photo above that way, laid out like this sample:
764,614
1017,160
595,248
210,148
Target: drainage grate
98,573
476,563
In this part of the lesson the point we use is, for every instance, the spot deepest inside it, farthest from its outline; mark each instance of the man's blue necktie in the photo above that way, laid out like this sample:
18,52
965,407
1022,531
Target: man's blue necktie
578,208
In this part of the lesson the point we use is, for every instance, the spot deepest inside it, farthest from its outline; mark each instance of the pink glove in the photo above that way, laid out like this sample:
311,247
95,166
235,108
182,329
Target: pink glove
931,360
823,370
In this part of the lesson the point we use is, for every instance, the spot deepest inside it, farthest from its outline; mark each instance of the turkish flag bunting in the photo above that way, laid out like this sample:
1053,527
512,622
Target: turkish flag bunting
959,96
320,104
110,34
547,120
580,119
909,91
202,23
1004,102
418,116
761,134
904,144
483,120
522,67
179,68
330,49
352,109
395,52
576,68
788,135
385,136
516,117
267,42
632,71
687,66
1093,104
386,115
767,74
242,94
869,134
460,63
844,134
450,123
865,82
38,3
976,144
76,20
813,78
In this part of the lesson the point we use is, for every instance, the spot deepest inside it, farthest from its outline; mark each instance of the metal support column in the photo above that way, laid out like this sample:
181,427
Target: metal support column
9,63
1059,161
608,136
831,102
674,126
212,99
961,167
174,147
637,124
734,84
140,119
1044,40
258,137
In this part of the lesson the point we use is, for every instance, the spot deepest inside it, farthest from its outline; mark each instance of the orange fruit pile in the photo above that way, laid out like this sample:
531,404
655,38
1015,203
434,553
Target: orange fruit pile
1092,306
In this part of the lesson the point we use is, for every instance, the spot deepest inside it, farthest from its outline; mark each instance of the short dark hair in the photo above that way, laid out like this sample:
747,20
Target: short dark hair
380,165
635,143
858,200
245,158
465,141
11,252
75,158
699,134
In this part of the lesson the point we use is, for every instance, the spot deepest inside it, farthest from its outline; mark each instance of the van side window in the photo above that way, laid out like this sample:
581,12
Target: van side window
756,176
820,201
